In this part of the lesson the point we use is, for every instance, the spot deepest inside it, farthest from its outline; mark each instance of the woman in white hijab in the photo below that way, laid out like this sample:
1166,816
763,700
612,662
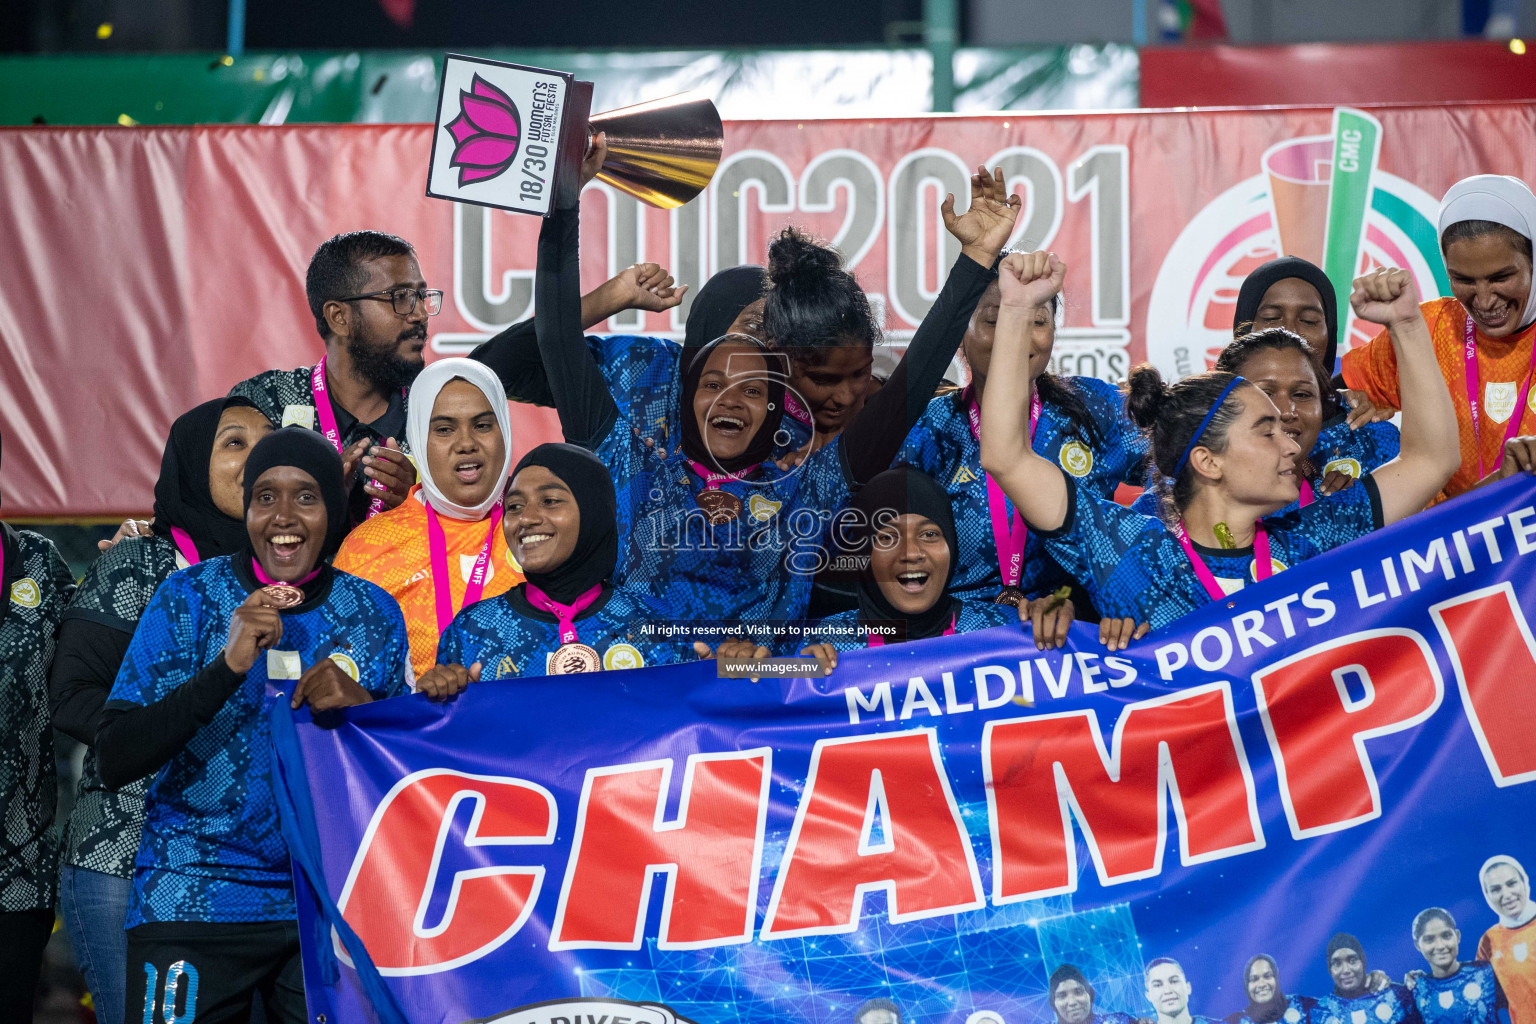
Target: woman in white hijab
443,547
1485,342
1510,945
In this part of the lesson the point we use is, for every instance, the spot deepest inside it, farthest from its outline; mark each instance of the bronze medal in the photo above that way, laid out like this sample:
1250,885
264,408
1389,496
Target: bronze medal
1009,595
720,506
284,596
572,658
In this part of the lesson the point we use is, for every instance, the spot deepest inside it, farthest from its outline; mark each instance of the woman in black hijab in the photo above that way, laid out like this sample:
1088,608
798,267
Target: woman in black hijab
749,557
217,646
568,617
198,514
1292,293
903,530
1267,1004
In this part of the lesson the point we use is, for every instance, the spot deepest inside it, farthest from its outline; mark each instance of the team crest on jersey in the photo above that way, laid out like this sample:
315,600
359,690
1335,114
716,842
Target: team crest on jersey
1275,566
1473,992
347,664
1076,458
1347,466
1521,950
623,656
506,668
763,509
1446,999
25,592
1383,1011
1499,400
299,416
963,475
1357,1017
1293,1016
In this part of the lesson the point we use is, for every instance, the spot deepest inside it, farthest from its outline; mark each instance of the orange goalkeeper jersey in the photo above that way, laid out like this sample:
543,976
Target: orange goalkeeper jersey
1503,364
391,550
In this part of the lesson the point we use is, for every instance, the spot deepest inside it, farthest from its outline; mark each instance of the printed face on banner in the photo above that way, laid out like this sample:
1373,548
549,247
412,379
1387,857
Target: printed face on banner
497,135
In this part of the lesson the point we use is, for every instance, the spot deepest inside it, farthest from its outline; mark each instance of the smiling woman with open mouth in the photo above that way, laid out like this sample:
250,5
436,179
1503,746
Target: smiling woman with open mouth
219,643
1484,337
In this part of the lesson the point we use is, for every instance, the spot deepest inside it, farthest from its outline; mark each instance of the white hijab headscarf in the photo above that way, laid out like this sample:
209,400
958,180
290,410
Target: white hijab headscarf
1529,911
1502,200
424,391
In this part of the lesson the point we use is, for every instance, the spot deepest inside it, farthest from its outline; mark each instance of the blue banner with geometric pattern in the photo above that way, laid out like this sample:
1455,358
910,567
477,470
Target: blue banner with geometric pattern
967,830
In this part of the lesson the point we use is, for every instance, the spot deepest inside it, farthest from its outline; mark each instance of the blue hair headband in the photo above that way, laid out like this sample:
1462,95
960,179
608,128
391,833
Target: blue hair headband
1200,430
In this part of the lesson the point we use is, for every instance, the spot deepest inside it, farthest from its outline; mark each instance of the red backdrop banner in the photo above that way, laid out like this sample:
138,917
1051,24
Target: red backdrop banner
152,268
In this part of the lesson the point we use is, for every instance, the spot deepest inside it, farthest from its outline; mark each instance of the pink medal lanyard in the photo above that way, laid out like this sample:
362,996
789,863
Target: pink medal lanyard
1474,391
713,480
876,640
184,544
1262,566
1306,494
1009,533
442,585
566,613
266,580
327,416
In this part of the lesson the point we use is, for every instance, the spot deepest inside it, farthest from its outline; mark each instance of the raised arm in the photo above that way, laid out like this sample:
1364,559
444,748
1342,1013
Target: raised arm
514,353
876,434
1431,452
587,411
1035,485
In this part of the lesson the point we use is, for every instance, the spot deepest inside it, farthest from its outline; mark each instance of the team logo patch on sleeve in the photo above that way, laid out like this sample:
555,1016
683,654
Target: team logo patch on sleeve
299,416
1076,458
623,656
25,592
1347,466
347,664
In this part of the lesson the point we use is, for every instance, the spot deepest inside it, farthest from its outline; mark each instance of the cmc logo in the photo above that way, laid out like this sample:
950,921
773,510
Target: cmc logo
1286,209
389,895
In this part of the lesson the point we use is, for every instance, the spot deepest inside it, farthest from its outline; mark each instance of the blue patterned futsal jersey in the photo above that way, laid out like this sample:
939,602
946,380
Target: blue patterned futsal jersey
1470,996
510,644
1356,452
944,446
1133,565
683,566
1298,1010
1392,1005
212,851
843,632
1112,1018
36,586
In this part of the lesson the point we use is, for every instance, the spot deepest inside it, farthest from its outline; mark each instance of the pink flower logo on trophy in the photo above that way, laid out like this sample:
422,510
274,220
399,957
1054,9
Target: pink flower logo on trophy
485,133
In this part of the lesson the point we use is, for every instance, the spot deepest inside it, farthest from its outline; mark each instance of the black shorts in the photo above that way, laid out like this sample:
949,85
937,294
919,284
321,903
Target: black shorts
183,971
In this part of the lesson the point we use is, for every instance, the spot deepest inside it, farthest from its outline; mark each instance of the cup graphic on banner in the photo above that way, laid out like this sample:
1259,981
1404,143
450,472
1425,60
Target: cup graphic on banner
1319,192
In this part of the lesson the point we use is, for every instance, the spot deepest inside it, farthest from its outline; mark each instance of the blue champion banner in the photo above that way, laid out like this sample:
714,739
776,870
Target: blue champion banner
944,824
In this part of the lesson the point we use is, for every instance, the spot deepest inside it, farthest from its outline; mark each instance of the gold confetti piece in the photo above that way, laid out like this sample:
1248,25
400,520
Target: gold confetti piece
104,30
1224,536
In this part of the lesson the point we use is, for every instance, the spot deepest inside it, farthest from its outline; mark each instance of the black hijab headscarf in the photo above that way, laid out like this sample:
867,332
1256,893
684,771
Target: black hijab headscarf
304,449
596,553
761,445
897,492
183,496
720,302
1270,1011
1251,295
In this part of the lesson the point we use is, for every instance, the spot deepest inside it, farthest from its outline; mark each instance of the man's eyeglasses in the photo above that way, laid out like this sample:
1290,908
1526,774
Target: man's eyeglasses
404,299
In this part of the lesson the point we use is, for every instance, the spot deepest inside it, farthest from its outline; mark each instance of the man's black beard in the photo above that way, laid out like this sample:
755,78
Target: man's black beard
382,366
